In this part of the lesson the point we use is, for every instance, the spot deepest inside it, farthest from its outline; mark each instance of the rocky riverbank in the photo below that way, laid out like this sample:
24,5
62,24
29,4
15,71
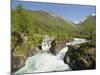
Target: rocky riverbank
18,61
58,45
81,56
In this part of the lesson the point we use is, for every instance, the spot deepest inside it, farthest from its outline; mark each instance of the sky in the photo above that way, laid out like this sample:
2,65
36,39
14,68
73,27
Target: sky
74,13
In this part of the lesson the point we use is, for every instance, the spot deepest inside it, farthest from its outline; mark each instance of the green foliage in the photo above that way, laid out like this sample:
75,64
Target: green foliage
35,24
88,28
23,21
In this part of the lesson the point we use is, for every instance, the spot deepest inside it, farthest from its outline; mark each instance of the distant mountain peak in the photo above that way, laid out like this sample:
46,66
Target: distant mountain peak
79,22
76,22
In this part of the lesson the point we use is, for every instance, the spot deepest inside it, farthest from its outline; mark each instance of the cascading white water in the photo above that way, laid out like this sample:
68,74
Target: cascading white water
62,53
43,62
47,62
77,41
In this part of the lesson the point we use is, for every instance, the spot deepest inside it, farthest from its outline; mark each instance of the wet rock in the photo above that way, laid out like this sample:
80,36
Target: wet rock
53,46
82,56
17,62
57,45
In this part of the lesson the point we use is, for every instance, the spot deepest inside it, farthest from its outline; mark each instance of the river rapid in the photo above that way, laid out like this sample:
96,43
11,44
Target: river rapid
47,62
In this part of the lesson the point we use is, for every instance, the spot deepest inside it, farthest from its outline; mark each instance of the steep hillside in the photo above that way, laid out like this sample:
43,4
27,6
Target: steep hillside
43,22
87,27
90,22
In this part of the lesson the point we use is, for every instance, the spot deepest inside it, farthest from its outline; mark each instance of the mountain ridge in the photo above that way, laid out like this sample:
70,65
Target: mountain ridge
45,19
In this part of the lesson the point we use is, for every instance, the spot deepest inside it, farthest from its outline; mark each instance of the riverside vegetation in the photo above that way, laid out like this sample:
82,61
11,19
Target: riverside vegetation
29,27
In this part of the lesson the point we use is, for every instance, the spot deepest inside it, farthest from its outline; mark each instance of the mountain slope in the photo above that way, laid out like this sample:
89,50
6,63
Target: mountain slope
89,25
44,22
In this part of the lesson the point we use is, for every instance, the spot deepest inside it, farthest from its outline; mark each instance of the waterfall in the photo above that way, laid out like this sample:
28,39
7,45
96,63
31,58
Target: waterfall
77,41
62,53
43,62
47,62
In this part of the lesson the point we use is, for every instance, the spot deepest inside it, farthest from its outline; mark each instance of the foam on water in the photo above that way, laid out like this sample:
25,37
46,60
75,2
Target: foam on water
77,41
62,53
47,62
43,62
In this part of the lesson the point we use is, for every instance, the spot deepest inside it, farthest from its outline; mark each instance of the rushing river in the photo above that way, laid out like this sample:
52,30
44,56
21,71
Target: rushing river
47,62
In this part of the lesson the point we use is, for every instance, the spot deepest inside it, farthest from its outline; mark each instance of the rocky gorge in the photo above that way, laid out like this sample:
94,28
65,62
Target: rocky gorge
18,61
78,57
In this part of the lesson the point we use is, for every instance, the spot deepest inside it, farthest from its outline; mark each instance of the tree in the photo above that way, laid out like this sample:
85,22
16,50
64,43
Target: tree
22,20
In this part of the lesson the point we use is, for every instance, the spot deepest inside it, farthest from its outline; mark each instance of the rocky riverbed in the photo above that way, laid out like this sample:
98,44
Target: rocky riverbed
79,55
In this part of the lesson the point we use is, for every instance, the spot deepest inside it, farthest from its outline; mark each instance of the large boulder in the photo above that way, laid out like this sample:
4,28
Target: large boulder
82,56
57,45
